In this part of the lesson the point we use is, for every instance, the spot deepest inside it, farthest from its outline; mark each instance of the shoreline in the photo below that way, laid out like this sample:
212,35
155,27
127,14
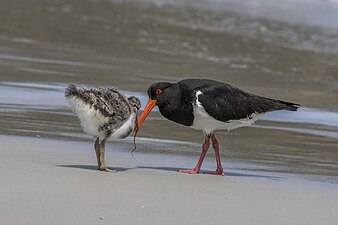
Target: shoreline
184,157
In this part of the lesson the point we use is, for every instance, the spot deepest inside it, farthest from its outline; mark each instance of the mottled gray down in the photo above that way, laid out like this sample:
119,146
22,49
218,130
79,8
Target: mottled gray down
108,101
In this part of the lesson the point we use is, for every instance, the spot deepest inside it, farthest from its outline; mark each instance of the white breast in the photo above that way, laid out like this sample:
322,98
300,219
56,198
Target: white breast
126,128
203,121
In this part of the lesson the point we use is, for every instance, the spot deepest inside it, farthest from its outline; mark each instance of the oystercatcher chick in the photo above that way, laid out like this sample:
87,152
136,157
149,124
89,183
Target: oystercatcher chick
104,113
209,105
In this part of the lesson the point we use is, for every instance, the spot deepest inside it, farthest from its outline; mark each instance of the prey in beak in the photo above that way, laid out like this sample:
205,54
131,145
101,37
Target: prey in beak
138,122
157,93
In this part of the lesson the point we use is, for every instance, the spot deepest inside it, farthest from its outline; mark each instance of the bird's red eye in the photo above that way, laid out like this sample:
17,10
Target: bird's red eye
158,91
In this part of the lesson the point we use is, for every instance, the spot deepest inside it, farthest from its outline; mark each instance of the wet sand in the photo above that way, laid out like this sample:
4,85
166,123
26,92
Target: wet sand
301,143
56,182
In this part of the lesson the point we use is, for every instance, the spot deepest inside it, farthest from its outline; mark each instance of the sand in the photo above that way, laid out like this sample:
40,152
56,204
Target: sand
56,182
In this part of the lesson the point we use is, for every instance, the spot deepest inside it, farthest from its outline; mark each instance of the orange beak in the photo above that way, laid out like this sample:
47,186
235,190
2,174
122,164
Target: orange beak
150,105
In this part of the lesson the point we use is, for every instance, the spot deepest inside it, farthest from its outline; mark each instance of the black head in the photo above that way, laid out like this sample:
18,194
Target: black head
159,91
135,103
159,94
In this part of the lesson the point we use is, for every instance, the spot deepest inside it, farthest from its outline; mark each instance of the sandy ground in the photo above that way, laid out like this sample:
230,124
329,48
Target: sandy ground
56,182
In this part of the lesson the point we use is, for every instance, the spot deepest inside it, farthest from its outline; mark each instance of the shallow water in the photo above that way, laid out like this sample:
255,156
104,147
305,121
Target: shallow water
44,45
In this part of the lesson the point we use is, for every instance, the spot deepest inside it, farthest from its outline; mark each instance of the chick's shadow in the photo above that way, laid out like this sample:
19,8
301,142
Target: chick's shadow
92,167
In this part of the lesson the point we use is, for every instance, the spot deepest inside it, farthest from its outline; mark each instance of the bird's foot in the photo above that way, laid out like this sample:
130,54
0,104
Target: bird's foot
106,169
193,171
217,172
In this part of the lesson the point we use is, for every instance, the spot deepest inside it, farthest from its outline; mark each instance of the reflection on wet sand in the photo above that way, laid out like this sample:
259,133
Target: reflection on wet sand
280,141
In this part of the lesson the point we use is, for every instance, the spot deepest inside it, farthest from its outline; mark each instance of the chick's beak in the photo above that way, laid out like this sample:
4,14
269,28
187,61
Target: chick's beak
150,105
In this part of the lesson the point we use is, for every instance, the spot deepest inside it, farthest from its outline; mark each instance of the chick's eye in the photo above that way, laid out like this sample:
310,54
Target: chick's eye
158,91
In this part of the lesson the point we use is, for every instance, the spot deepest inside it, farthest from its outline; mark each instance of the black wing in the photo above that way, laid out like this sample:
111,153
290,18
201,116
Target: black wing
225,102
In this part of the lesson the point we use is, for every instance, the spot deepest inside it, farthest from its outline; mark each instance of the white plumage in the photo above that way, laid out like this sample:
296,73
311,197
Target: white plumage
90,118
104,113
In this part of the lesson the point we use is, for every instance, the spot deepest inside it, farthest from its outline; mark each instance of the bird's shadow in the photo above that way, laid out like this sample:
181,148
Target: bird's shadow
91,167
231,174
121,169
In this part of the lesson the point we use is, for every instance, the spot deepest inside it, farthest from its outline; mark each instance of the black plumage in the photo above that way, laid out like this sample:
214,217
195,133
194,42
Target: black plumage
222,101
225,102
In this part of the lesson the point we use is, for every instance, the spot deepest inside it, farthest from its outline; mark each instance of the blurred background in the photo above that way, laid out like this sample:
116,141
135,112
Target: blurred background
280,49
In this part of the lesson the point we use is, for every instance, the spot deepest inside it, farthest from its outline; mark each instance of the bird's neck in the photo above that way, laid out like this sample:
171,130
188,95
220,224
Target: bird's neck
177,107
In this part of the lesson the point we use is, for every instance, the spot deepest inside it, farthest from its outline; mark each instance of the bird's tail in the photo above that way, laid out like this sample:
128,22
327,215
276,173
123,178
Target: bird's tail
288,105
71,90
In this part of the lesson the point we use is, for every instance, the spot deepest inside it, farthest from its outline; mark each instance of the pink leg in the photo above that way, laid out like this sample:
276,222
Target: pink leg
205,148
219,170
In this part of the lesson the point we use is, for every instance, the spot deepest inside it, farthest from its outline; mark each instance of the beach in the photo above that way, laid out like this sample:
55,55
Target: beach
56,182
282,170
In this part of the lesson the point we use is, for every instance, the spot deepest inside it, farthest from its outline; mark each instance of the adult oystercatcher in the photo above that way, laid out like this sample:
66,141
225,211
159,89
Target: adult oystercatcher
104,113
209,105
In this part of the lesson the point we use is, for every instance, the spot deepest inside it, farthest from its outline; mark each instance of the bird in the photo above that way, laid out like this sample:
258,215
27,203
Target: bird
105,113
209,105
